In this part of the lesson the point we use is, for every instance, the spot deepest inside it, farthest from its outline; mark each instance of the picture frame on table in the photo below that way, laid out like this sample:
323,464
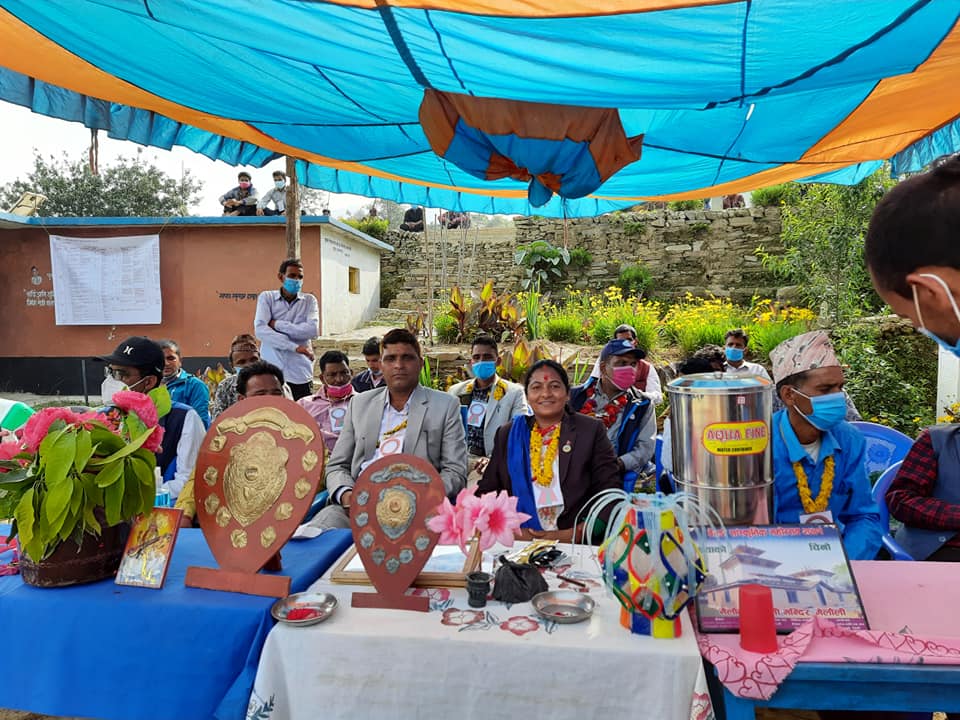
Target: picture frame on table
146,557
447,567
805,566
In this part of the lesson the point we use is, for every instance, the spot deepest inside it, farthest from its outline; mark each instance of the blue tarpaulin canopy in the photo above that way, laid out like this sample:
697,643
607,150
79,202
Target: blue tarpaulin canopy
714,97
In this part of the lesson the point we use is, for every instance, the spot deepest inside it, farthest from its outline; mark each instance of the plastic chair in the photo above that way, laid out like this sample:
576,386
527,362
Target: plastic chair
318,502
879,496
885,446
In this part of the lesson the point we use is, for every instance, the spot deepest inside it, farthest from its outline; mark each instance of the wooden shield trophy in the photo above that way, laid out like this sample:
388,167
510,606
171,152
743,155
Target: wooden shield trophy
256,476
388,515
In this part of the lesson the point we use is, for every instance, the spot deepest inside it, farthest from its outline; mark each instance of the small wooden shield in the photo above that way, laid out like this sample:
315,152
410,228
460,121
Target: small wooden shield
391,501
256,475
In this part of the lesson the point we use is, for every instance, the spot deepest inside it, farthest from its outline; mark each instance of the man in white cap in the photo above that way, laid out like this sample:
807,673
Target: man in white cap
819,474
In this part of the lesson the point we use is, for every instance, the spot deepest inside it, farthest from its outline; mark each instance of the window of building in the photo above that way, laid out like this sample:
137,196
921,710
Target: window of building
354,283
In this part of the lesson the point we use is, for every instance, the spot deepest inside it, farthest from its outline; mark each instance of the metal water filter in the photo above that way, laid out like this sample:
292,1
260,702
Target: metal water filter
721,443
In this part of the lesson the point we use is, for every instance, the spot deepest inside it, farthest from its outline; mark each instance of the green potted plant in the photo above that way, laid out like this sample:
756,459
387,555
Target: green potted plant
73,481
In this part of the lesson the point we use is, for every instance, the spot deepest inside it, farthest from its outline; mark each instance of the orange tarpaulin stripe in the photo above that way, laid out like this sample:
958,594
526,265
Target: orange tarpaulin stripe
897,113
535,8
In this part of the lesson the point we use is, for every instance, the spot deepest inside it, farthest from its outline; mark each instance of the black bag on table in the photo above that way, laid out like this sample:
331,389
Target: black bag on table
517,582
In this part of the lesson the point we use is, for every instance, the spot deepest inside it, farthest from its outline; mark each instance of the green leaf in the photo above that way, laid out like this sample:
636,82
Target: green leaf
113,501
24,517
59,458
161,398
140,472
105,440
85,449
109,474
130,447
56,502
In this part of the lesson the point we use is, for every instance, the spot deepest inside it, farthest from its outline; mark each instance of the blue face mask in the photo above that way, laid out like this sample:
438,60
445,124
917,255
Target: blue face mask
828,410
279,184
734,354
955,348
292,286
485,369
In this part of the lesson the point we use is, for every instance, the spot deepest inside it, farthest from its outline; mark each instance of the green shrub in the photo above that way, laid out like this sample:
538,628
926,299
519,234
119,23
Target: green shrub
634,280
564,328
773,196
580,258
764,338
446,328
891,376
695,322
389,288
373,226
643,320
686,205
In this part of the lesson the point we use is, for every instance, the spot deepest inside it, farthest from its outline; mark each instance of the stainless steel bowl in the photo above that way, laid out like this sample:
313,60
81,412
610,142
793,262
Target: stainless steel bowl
317,606
563,606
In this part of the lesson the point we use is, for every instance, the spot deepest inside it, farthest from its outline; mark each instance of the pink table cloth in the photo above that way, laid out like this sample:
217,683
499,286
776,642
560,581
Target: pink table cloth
910,607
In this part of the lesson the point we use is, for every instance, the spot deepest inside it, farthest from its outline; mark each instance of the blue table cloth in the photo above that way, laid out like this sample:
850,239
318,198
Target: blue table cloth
126,653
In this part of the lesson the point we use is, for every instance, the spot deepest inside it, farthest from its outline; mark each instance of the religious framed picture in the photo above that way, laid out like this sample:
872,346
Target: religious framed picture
448,566
146,557
805,567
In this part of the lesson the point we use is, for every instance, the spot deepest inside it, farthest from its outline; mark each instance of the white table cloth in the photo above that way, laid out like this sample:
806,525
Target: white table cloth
457,662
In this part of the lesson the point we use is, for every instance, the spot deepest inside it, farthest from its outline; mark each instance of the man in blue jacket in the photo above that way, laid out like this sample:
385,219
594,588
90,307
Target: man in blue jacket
819,474
184,387
612,398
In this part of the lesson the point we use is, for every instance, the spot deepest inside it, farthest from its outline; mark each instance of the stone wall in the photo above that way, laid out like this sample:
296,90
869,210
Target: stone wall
697,251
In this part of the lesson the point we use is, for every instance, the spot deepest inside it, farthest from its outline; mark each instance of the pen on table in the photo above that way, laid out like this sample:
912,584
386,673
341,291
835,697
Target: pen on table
571,580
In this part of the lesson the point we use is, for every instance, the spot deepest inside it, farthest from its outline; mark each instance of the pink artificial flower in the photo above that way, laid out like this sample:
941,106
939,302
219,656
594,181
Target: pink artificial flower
9,450
473,514
153,442
39,424
501,519
447,523
137,403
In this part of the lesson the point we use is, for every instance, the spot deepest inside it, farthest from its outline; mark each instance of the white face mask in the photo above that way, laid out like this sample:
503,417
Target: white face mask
111,385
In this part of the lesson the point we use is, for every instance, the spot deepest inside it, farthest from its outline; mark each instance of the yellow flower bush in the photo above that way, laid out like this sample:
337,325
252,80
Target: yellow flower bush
695,321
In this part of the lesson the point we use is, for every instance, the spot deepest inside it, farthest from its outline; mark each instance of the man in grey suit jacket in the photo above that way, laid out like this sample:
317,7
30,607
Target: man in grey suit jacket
486,403
403,416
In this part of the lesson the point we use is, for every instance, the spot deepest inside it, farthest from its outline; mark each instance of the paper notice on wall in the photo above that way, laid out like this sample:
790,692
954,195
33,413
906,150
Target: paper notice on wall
106,280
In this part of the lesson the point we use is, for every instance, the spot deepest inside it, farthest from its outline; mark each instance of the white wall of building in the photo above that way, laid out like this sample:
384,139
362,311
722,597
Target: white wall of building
340,309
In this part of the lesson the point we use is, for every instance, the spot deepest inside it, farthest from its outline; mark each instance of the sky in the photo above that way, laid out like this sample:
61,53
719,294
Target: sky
22,131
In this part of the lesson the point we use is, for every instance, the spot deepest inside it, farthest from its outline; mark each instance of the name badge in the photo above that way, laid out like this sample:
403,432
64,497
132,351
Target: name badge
475,413
820,518
392,445
336,419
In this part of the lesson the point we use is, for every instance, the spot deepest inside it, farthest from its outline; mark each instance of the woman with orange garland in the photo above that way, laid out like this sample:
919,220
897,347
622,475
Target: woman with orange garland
554,462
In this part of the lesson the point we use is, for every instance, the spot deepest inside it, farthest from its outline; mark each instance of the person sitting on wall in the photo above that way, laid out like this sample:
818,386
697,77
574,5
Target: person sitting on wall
734,200
328,406
137,364
372,377
648,382
819,468
256,379
925,496
184,387
413,220
554,461
286,322
241,200
400,417
276,195
736,342
487,402
629,418
244,350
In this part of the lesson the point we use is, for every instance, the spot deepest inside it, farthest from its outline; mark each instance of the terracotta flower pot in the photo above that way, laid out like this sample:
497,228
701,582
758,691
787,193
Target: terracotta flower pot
95,558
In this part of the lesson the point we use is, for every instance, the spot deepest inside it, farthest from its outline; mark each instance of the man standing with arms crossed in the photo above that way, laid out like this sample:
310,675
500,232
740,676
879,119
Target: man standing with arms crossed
287,321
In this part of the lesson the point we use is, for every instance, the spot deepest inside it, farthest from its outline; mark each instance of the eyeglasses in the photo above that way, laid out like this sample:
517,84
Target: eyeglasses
121,374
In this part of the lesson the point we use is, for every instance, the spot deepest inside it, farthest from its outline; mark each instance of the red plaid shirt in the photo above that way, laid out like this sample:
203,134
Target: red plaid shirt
909,496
